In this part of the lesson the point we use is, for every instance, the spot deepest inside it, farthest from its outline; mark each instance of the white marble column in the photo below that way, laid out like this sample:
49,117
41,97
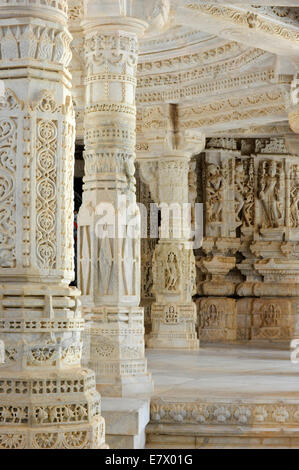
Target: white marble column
109,253
166,171
46,399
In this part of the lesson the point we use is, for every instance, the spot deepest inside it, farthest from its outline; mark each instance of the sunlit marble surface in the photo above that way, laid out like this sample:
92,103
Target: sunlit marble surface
251,371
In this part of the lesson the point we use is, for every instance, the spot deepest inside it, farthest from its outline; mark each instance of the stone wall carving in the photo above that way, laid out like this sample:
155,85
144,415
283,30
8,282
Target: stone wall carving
251,20
251,256
219,413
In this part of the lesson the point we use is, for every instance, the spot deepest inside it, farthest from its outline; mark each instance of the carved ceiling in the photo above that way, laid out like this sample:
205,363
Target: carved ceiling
229,66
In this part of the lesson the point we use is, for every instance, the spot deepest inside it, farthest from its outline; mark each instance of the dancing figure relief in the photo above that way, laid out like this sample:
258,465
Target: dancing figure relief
215,190
270,194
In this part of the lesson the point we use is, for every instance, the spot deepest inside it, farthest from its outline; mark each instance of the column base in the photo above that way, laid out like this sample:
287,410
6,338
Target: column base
58,410
47,400
126,420
173,327
59,437
116,350
126,386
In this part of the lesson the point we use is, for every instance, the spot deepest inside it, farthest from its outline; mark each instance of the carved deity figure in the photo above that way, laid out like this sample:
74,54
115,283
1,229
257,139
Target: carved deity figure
171,272
215,188
270,316
270,194
294,206
239,190
211,317
244,193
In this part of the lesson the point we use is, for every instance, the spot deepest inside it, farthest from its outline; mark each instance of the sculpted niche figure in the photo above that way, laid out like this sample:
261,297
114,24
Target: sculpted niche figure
171,272
294,207
269,194
239,190
243,193
215,188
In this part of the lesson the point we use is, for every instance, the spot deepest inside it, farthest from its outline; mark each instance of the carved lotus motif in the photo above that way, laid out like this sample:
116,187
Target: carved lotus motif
260,414
280,414
201,414
242,415
222,414
157,412
178,414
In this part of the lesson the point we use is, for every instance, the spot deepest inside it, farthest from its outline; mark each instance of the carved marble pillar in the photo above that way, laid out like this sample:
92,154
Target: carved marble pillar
217,311
46,399
173,313
109,252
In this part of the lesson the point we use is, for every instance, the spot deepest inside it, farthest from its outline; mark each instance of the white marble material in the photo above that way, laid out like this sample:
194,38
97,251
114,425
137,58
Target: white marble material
224,396
47,400
126,420
108,256
249,371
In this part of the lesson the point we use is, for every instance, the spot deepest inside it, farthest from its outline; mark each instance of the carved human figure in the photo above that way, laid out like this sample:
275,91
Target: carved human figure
215,187
244,192
211,317
270,195
270,316
171,272
294,206
248,208
239,190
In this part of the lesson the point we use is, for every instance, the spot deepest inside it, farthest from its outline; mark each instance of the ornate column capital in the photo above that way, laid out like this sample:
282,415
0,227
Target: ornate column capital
175,144
160,129
153,15
114,23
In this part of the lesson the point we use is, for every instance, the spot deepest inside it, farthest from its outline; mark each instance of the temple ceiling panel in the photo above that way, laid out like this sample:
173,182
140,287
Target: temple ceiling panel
228,66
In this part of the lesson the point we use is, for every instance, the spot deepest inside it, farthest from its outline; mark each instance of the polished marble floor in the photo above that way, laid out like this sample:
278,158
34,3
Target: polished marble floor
246,371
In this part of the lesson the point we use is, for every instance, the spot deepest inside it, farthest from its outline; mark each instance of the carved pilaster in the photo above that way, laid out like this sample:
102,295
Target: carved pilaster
167,174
